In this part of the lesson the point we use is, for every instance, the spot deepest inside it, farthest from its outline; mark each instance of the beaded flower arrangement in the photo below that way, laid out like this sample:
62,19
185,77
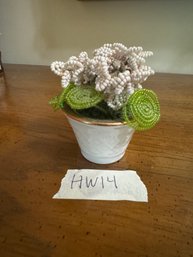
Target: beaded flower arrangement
108,86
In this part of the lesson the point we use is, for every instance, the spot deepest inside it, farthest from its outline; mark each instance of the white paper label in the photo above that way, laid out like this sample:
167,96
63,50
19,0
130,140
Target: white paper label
102,185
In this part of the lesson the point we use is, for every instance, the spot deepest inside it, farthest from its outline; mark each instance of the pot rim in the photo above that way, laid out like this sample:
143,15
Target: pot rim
72,115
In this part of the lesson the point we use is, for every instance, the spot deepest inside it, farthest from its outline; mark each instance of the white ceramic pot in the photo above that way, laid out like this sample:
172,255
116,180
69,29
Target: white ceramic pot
101,141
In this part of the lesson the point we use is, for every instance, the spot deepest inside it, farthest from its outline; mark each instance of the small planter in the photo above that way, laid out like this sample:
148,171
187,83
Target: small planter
106,86
100,141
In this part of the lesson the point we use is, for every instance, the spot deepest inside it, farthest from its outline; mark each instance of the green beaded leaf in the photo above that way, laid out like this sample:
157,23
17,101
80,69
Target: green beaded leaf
83,97
62,96
54,102
142,110
57,102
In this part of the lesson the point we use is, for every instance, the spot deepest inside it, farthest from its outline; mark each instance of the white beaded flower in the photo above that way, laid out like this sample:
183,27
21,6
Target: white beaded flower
115,70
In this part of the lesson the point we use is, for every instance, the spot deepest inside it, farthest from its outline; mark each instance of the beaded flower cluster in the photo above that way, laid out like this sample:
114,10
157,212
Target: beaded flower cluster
115,70
108,86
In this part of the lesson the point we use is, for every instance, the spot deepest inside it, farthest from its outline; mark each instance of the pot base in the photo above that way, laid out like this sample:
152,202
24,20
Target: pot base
101,159
101,142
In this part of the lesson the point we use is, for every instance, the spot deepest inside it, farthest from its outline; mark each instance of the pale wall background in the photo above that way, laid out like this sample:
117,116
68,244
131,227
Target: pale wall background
41,31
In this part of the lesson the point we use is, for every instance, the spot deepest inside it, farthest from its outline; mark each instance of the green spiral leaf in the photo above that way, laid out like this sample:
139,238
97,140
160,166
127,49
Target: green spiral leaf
83,97
57,102
142,110
62,96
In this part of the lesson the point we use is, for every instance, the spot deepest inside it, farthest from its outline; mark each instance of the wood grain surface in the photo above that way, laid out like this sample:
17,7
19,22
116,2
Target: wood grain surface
37,146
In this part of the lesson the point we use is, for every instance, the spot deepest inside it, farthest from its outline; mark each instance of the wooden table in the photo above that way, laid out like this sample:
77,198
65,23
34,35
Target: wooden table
37,147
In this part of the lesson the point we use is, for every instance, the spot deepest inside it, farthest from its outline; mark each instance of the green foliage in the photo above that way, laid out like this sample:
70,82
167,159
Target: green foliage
57,102
77,97
83,97
142,110
62,96
54,102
